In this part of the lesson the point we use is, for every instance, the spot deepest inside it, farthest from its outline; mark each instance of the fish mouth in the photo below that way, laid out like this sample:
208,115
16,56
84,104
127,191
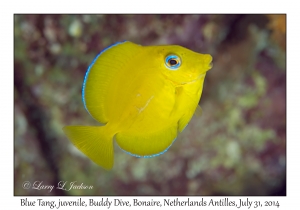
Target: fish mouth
210,65
208,62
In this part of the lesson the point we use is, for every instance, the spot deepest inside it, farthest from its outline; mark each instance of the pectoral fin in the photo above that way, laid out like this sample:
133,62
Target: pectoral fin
198,111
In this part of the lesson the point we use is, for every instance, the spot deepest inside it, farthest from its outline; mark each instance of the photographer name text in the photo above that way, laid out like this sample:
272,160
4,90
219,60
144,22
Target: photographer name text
62,185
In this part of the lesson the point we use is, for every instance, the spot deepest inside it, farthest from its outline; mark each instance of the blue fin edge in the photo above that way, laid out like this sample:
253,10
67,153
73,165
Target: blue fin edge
149,156
89,68
185,127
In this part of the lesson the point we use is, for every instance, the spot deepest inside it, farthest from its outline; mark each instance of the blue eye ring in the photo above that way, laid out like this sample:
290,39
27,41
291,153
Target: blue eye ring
172,62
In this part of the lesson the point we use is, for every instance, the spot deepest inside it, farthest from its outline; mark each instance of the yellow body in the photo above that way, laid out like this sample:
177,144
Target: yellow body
143,103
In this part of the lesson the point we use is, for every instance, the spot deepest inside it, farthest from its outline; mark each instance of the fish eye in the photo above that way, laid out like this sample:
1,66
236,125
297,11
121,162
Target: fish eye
173,62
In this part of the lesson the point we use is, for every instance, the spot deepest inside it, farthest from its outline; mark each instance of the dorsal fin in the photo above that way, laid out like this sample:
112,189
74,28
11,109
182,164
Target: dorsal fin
107,64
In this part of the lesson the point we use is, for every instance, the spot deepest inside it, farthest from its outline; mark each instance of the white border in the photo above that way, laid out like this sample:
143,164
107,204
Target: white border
155,6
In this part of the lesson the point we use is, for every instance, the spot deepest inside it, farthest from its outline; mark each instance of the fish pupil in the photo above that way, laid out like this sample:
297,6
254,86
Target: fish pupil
173,62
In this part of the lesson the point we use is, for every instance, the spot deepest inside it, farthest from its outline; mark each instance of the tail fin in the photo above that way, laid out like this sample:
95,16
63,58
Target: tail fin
93,142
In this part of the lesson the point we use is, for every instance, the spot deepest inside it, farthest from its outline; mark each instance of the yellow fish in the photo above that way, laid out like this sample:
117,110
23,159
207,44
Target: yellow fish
145,96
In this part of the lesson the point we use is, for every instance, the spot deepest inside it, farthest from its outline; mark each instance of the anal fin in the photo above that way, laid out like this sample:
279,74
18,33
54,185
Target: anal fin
147,144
